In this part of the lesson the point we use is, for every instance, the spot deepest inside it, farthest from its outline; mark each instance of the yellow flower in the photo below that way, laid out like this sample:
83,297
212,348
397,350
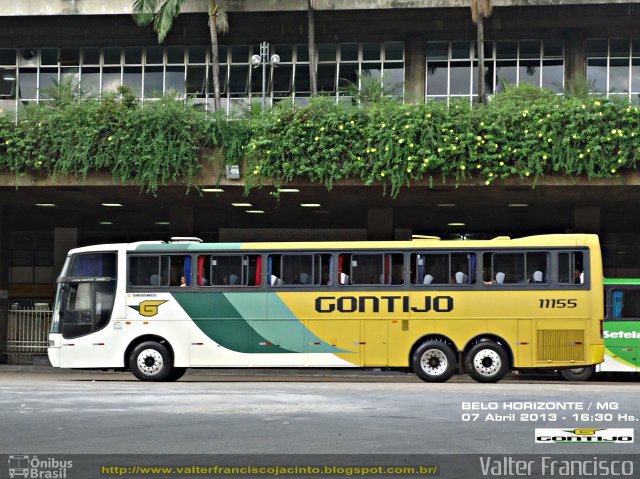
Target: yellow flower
407,126
614,131
487,182
382,174
268,152
426,160
544,157
490,175
341,127
620,160
502,163
428,115
588,150
549,140
401,141
596,103
386,148
411,145
583,106
439,150
526,131
613,170
581,155
316,138
383,125
408,170
110,138
373,150
454,147
526,173
463,167
278,120
322,128
409,158
478,166
352,122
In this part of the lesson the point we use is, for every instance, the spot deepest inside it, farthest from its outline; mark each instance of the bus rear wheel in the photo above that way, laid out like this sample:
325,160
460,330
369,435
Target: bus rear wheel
434,362
150,361
487,362
577,374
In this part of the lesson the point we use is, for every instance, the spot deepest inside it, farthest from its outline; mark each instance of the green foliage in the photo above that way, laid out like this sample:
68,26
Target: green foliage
523,133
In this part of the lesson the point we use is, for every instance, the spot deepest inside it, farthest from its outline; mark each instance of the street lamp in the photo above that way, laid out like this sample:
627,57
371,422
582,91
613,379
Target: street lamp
262,59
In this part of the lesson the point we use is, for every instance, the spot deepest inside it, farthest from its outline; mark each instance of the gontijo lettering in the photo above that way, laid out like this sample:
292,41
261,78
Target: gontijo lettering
389,304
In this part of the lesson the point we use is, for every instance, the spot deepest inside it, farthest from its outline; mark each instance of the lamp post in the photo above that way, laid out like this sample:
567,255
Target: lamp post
262,59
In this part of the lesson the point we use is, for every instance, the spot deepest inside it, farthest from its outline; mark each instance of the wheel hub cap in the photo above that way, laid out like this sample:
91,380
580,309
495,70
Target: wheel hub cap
434,362
487,362
150,362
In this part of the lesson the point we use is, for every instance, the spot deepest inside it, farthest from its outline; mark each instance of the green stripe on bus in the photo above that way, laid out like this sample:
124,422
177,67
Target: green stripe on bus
280,326
221,321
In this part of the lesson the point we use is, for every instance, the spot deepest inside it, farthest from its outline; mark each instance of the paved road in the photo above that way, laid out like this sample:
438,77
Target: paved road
299,413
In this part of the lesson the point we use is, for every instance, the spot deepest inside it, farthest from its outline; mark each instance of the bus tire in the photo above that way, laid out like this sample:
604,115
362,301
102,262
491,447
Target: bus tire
487,362
175,374
434,362
150,361
577,374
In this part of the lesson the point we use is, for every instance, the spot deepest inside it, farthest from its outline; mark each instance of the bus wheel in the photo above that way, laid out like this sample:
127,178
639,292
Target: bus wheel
487,362
577,374
150,361
434,361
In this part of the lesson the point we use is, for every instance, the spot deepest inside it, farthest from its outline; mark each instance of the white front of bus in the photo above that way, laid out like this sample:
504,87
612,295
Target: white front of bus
83,307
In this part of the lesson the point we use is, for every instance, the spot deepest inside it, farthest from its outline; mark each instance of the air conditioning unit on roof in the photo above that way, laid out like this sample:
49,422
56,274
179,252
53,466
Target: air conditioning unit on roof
29,57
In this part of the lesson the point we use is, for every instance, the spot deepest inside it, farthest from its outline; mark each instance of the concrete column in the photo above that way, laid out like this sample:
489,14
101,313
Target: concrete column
182,221
4,284
380,224
415,52
586,219
575,58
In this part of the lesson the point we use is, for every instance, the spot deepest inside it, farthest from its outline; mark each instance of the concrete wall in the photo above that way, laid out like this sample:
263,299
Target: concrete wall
115,7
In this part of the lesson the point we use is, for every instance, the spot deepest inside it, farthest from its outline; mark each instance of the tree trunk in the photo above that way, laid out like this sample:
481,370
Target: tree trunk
313,63
480,46
215,60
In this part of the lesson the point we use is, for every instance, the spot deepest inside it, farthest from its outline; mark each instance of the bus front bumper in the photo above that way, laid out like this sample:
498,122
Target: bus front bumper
53,351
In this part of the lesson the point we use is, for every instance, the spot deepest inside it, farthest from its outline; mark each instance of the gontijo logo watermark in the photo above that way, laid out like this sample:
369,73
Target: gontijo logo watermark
584,434
33,467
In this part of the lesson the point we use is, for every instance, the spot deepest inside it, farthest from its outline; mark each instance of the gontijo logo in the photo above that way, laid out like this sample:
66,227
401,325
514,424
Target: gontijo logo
148,308
584,434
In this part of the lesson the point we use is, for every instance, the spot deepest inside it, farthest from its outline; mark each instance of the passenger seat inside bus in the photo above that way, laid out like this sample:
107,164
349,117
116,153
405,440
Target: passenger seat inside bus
154,280
234,280
500,277
461,278
537,276
428,279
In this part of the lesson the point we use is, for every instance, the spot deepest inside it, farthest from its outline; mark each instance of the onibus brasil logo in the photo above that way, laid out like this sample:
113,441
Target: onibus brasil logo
584,434
38,467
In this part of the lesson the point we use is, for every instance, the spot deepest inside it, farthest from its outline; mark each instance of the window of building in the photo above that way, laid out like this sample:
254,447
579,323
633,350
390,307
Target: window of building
452,67
613,67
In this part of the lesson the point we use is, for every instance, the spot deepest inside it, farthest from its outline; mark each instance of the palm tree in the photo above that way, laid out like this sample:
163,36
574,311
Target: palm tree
313,62
480,9
162,13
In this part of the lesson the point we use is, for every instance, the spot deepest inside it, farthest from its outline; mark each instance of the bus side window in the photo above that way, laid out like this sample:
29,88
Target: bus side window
571,268
149,271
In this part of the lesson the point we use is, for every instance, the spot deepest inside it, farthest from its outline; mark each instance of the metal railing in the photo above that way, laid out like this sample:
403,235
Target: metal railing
28,331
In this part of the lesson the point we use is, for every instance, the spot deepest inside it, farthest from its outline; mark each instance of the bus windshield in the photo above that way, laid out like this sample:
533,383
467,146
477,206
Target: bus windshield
85,294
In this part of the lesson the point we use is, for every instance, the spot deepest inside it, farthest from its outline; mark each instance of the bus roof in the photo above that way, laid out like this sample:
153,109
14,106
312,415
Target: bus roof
542,241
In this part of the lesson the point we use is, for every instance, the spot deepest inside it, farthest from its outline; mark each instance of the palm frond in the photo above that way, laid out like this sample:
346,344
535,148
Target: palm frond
144,11
167,13
223,22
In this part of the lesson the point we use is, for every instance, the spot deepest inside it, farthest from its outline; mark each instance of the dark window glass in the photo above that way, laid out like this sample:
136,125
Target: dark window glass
619,75
49,56
619,48
153,77
175,55
133,55
132,79
460,50
393,51
597,48
28,83
90,81
91,56
459,78
174,80
349,52
196,83
282,80
7,56
553,48
97,265
302,81
571,268
370,51
326,52
625,304
553,75
240,54
529,49
506,73
302,52
112,56
507,50
48,79
154,55
437,51
70,56
198,54
238,80
285,52
327,78
7,83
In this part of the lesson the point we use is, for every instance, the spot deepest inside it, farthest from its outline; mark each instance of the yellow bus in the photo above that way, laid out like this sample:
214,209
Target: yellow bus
435,307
